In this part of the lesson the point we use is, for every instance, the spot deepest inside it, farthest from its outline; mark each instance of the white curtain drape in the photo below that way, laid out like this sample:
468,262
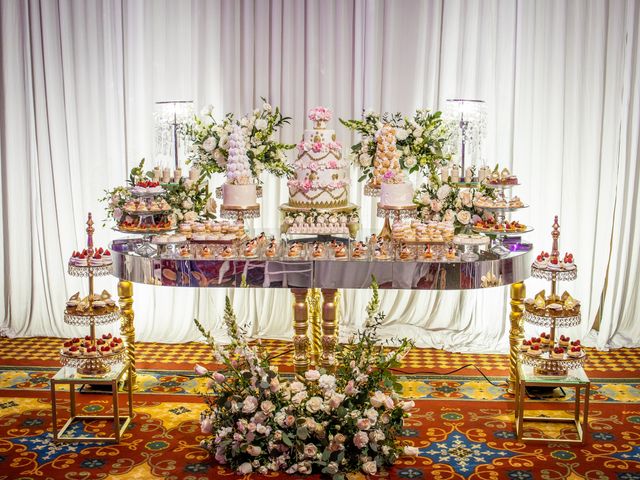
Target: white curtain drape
80,78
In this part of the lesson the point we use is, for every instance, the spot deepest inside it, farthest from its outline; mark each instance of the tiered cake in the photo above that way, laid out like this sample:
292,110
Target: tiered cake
239,190
319,189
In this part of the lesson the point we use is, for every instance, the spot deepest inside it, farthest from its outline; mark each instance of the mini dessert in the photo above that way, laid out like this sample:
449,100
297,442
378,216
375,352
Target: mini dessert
147,188
359,251
76,342
184,252
544,339
570,304
250,251
318,250
341,252
272,249
295,250
91,352
381,252
535,350
541,260
206,252
99,304
107,337
406,253
451,254
105,350
554,310
74,351
100,342
575,351
119,344
66,346
567,262
536,341
558,353
501,178
575,343
227,252
525,345
427,254
564,341
489,226
74,300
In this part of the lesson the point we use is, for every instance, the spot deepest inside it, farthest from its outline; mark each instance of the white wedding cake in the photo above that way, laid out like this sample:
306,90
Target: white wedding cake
321,178
239,189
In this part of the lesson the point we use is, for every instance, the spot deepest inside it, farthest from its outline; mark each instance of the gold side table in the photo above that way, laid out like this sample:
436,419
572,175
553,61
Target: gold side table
576,379
70,376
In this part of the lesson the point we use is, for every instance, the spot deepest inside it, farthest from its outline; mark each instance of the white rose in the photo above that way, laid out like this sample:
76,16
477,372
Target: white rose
314,404
211,206
418,131
266,107
244,122
410,161
425,199
449,215
190,216
464,217
443,191
365,160
370,467
245,468
436,205
219,157
410,451
210,144
261,124
224,141
206,110
466,198
401,134
187,204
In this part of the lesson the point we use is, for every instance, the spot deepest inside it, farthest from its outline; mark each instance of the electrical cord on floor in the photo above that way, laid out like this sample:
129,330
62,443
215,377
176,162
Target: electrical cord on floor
502,384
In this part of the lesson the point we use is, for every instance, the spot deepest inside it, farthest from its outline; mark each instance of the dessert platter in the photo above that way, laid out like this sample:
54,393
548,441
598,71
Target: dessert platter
147,211
239,192
319,190
91,356
548,354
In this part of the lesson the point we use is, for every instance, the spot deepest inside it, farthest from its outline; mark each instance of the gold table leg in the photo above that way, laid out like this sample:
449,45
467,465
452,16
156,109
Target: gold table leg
329,339
516,334
127,330
300,328
314,302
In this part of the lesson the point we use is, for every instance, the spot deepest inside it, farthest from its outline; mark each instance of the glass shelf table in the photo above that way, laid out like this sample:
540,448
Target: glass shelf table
576,379
70,376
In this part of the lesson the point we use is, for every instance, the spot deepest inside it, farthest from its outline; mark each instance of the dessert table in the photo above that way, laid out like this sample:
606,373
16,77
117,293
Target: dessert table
307,278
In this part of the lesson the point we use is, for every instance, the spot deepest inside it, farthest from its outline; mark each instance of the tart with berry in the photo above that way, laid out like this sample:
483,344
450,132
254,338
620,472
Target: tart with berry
557,353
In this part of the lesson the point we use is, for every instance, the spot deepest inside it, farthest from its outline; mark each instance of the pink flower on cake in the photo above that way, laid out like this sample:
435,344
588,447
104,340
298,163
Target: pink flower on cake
317,147
301,147
313,166
307,185
335,146
333,164
320,114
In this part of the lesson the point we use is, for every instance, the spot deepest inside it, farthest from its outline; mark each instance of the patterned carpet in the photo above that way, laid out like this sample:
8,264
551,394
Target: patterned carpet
462,424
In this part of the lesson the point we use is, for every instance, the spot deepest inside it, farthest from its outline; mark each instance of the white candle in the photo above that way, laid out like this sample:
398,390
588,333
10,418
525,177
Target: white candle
166,175
177,175
444,174
483,173
157,174
455,173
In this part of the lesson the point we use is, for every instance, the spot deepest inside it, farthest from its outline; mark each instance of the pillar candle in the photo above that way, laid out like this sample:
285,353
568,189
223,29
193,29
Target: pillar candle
166,175
157,174
455,173
468,175
444,174
177,175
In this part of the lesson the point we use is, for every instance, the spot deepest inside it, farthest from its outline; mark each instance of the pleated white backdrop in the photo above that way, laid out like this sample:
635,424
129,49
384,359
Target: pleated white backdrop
79,80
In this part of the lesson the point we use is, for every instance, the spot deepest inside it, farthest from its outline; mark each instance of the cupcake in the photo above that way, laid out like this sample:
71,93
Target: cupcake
105,350
564,341
536,341
74,351
107,337
66,346
558,353
575,343
91,352
525,345
75,342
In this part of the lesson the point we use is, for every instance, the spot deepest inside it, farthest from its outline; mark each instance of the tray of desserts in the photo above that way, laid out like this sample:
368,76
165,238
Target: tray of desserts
106,346
212,231
470,239
547,266
147,188
505,229
422,233
101,309
501,179
543,310
97,263
500,204
552,359
146,228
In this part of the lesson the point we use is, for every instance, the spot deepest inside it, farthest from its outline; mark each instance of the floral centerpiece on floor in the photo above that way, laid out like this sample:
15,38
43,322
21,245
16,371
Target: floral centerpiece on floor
210,140
329,423
188,199
420,140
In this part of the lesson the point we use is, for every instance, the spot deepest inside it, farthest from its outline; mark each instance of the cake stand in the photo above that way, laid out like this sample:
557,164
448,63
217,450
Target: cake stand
398,213
544,364
99,364
240,214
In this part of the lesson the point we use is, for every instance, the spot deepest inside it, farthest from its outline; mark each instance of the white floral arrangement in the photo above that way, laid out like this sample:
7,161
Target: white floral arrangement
447,201
188,199
421,141
210,148
335,424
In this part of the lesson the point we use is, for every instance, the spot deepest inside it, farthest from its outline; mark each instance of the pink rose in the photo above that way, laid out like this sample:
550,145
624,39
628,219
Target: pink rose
350,388
200,370
363,423
316,147
220,458
218,377
360,439
332,164
206,426
388,402
250,404
377,399
310,450
312,375
408,405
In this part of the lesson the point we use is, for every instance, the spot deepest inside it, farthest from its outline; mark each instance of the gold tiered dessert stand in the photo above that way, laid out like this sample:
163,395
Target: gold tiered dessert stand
544,364
101,363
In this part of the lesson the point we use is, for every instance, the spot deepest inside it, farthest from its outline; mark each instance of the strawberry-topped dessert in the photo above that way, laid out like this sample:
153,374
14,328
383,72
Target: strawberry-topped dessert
567,262
575,343
564,341
525,345
91,352
558,353
66,346
536,341
542,260
535,350
73,351
147,187
575,351
544,339
105,350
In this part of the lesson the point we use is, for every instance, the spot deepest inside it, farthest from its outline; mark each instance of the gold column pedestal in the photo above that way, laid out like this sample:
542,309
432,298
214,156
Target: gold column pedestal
314,302
127,330
516,334
329,338
300,328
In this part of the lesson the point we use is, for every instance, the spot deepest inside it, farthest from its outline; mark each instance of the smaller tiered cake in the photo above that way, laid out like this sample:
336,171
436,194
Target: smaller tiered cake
395,190
239,190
